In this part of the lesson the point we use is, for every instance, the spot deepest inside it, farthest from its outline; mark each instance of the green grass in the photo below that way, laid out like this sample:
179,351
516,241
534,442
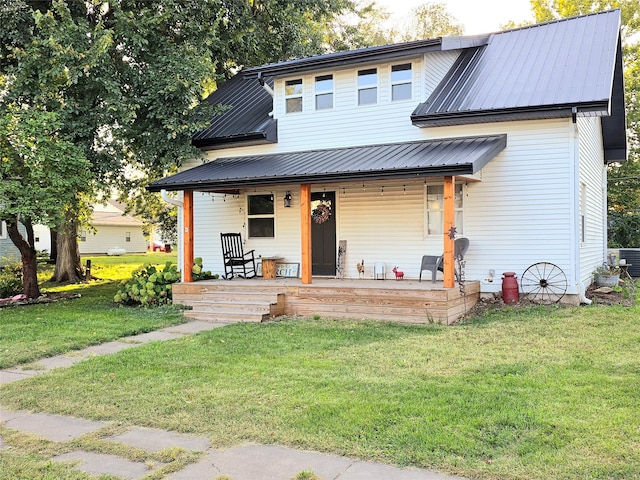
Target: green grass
533,393
30,332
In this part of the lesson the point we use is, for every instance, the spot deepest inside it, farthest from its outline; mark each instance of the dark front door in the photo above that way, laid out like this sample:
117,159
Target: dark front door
323,233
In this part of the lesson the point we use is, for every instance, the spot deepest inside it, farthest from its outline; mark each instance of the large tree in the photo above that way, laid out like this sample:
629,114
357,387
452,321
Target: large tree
624,178
125,79
430,20
40,170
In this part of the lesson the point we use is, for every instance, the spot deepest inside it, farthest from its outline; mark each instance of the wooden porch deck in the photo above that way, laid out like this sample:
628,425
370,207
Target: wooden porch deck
407,301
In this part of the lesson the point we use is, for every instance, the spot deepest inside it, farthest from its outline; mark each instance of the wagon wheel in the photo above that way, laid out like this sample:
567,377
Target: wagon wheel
544,283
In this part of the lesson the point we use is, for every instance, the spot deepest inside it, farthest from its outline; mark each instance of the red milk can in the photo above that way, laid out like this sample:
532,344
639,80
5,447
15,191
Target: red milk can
510,293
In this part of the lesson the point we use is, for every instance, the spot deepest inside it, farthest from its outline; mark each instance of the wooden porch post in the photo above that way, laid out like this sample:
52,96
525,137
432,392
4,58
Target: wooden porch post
188,236
305,231
449,220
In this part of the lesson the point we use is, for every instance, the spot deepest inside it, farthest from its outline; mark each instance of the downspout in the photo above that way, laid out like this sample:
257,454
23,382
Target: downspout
179,204
268,89
172,201
575,147
265,85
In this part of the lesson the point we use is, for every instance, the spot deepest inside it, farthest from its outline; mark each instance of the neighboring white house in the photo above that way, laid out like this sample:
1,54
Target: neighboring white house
525,121
113,230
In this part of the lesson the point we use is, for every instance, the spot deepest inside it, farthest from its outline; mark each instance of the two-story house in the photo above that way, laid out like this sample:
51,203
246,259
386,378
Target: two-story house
505,137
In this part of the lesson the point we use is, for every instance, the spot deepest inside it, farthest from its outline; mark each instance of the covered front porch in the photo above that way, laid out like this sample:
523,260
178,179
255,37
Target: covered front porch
258,299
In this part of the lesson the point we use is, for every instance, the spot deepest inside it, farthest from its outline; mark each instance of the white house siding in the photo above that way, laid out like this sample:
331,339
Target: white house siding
592,173
436,66
503,213
108,236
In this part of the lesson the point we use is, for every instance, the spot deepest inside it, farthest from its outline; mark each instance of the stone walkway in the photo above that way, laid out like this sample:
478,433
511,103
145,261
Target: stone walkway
245,462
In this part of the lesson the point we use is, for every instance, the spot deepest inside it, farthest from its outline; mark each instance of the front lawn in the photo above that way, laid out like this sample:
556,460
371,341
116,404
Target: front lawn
31,332
535,393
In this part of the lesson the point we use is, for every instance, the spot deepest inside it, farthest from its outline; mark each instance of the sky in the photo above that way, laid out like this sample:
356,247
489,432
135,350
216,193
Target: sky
477,16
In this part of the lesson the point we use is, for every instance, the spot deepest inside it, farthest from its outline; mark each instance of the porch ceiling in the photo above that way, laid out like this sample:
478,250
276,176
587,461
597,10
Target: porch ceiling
451,156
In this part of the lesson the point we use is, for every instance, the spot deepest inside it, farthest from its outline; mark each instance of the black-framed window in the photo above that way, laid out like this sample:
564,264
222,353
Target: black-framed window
293,95
324,92
368,86
261,216
401,76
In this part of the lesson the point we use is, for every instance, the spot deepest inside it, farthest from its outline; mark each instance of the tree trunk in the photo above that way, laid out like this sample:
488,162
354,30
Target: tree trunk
28,253
53,255
68,267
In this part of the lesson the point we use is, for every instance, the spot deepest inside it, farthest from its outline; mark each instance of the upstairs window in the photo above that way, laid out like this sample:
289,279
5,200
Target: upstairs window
261,218
367,86
293,95
324,92
435,209
401,82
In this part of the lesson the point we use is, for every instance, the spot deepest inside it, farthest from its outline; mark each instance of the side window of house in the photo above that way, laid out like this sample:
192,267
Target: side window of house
367,86
401,77
435,209
293,95
83,236
324,92
260,216
127,236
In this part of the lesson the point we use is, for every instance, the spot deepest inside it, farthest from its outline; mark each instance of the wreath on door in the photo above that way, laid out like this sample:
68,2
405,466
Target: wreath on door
321,213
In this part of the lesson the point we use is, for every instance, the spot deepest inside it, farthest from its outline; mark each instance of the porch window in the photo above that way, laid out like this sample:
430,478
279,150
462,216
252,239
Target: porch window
401,82
367,86
324,92
435,209
260,217
293,95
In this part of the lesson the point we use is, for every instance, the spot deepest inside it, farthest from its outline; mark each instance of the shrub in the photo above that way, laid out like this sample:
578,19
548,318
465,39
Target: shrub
148,286
10,280
198,273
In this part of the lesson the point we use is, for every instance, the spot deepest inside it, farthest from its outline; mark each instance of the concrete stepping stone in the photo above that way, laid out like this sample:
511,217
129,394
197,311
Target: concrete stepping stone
101,464
194,326
157,335
369,471
266,462
10,376
53,427
154,440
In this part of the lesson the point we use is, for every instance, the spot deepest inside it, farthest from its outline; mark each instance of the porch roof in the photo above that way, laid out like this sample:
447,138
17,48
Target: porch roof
451,156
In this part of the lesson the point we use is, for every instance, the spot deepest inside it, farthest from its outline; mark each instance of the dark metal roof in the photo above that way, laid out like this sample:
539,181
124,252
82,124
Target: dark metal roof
369,54
454,156
246,120
540,71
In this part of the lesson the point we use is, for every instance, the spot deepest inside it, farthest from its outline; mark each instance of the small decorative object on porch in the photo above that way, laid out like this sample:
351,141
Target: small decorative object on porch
360,267
321,213
342,252
399,274
379,271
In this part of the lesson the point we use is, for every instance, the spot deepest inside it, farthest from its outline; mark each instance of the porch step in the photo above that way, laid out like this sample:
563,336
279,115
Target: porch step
230,306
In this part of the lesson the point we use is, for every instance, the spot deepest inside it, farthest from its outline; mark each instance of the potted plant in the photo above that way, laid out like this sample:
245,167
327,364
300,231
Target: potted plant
607,275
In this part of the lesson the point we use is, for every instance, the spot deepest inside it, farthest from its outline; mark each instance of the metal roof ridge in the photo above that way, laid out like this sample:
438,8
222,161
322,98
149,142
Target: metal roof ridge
556,20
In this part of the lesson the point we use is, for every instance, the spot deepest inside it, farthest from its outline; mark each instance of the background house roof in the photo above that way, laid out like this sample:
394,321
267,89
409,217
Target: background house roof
539,71
453,156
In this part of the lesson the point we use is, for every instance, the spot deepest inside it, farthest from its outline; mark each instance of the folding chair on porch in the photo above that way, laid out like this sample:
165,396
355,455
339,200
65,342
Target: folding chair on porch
235,258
